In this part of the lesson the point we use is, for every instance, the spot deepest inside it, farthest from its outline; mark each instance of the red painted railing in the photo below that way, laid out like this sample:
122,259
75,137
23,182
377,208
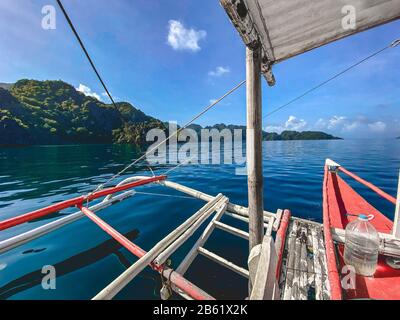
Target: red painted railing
78,201
380,192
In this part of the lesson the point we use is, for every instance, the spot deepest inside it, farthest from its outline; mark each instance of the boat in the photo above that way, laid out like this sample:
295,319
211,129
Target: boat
339,199
289,258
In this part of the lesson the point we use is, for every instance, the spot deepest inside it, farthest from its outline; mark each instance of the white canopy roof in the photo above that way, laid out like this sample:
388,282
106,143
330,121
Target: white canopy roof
287,28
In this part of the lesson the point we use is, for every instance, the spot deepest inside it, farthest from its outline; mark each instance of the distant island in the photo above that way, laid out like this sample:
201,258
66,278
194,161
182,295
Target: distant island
273,136
53,112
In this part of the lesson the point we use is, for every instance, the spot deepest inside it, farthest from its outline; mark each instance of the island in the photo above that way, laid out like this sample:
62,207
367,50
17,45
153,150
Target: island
36,112
273,136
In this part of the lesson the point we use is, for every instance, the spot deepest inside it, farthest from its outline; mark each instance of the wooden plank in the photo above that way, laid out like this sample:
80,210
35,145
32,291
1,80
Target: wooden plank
290,261
223,262
322,287
265,286
324,266
296,266
268,232
317,265
303,287
310,259
278,218
232,230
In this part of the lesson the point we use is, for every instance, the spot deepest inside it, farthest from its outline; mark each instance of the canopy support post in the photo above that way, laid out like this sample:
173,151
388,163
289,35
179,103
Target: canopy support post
254,146
396,223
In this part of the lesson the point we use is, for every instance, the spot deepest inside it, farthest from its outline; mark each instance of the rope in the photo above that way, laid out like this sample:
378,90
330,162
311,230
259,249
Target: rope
392,45
172,135
84,50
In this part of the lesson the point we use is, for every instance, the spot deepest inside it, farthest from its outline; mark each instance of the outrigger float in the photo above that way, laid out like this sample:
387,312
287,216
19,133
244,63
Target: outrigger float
289,258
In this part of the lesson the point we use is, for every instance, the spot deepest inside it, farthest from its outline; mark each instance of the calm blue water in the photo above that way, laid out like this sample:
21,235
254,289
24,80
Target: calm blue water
86,260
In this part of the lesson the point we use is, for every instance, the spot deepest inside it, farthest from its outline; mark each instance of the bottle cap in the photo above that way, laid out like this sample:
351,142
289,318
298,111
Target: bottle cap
363,217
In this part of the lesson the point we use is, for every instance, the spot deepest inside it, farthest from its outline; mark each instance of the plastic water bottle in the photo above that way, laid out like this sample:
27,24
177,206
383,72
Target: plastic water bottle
361,246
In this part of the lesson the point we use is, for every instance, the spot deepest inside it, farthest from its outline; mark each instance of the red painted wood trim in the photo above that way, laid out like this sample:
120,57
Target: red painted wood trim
333,275
281,239
374,188
12,222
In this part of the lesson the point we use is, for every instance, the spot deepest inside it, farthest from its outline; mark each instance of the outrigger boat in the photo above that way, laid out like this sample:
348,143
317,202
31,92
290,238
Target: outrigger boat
289,257
339,199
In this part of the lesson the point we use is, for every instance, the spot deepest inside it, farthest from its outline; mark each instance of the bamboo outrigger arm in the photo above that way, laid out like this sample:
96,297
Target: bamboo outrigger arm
158,255
146,259
236,211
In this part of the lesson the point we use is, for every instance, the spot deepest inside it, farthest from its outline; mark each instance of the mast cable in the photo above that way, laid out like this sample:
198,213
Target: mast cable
392,45
172,135
109,95
84,50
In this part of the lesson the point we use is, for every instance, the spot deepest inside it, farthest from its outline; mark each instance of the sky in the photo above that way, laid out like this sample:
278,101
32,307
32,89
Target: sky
171,58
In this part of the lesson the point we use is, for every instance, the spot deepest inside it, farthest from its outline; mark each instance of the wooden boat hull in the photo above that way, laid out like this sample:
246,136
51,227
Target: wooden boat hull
338,200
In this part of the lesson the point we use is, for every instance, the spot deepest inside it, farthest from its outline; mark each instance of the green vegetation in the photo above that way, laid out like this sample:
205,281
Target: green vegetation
53,112
295,135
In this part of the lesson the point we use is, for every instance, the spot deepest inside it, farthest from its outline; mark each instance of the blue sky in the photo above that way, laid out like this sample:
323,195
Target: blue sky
170,58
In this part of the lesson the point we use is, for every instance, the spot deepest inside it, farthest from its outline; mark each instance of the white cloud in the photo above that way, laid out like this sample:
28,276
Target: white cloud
88,92
293,123
219,71
180,38
345,124
378,126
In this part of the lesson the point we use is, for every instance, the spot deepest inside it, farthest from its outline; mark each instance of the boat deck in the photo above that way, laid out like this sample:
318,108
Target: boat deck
304,267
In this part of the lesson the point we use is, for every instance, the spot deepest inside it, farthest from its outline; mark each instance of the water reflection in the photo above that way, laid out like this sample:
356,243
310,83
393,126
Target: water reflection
69,265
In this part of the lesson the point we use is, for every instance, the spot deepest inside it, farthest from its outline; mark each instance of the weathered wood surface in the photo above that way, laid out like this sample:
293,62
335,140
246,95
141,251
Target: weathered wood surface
265,286
304,267
254,145
278,219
